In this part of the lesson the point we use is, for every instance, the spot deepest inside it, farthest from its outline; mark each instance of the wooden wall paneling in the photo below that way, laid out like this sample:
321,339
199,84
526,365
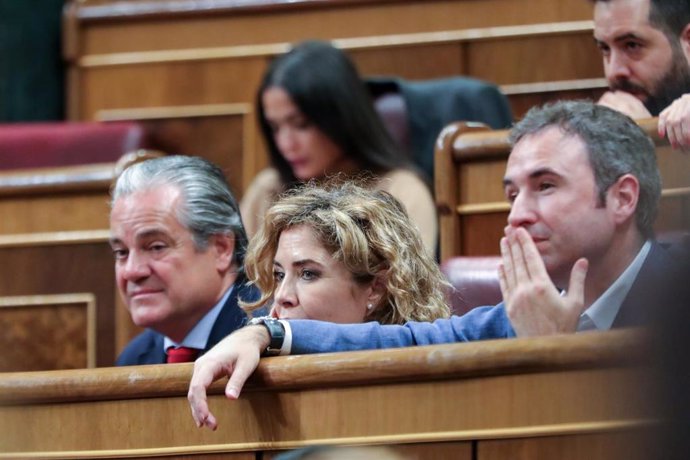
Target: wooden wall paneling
536,58
54,213
221,133
55,199
524,96
456,393
47,332
64,263
102,33
170,83
412,62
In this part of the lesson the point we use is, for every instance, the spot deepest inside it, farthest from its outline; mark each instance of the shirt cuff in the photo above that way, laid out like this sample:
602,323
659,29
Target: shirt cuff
287,342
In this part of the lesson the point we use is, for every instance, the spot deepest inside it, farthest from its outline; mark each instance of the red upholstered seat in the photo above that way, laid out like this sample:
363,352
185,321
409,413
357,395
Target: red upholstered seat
38,145
475,280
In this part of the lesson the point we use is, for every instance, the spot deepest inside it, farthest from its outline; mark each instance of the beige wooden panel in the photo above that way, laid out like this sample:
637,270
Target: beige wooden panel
535,59
482,182
47,332
222,133
53,212
414,62
337,20
482,232
169,84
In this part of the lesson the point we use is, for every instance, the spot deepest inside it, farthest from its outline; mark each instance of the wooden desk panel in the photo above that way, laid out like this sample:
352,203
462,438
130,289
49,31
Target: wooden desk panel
439,398
77,265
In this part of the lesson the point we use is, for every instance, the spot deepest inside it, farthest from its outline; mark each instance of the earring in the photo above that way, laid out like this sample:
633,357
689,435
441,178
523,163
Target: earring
370,306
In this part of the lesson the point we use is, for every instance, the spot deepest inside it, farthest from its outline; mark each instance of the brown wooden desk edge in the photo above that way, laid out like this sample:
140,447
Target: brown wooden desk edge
462,360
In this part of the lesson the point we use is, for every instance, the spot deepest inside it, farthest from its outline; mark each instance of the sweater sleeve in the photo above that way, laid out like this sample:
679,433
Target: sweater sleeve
481,323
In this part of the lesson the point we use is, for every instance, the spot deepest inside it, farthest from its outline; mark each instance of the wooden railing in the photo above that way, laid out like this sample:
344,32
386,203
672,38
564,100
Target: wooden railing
518,398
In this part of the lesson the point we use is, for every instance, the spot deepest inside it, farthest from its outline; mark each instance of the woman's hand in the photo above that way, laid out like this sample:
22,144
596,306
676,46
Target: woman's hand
236,356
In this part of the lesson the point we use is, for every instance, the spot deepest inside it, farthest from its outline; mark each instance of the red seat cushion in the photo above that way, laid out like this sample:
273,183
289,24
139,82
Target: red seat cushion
36,145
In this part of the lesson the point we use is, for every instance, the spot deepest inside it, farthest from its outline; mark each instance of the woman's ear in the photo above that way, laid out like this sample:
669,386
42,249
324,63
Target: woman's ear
378,289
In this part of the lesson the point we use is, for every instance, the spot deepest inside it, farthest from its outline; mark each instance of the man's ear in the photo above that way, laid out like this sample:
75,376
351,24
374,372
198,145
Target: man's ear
685,42
622,197
223,246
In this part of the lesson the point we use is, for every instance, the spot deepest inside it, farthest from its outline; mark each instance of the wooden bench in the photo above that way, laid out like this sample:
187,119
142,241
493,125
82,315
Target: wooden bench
469,167
566,397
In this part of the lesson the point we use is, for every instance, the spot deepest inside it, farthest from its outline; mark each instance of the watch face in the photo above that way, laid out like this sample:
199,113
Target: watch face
276,332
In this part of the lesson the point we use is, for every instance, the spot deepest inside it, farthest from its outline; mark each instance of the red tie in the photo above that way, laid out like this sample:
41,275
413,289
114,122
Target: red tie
182,355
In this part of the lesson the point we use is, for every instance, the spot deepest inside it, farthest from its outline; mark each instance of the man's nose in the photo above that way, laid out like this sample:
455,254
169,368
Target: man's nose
522,211
135,267
617,67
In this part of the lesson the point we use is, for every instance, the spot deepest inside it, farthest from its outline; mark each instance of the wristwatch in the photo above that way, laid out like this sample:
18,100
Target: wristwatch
276,331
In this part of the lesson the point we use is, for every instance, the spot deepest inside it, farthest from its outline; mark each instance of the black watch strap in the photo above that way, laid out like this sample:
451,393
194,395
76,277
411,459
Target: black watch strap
276,331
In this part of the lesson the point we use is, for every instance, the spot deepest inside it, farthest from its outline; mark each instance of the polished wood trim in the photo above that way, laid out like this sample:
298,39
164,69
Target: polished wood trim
554,86
463,360
93,177
407,438
674,192
187,111
383,41
122,10
485,144
88,299
482,208
52,238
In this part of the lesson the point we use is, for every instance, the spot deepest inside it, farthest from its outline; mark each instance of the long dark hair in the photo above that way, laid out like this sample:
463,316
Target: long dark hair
324,84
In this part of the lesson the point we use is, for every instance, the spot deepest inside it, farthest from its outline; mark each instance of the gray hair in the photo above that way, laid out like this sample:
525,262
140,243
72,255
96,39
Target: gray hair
208,208
615,144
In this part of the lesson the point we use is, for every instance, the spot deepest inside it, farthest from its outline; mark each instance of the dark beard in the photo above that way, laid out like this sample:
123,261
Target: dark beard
672,86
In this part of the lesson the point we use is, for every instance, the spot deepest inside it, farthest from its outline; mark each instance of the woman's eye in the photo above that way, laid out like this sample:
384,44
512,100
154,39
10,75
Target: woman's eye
309,275
278,276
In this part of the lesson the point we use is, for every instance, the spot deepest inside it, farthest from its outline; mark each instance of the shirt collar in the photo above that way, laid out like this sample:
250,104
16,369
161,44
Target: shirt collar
198,336
604,310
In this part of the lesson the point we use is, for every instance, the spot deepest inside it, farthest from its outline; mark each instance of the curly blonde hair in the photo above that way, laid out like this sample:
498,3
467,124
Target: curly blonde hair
369,231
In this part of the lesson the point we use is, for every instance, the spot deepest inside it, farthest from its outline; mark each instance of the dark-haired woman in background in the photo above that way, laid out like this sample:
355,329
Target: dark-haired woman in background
318,120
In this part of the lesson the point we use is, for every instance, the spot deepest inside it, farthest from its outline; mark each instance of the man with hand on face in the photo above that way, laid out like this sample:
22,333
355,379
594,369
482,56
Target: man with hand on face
645,45
578,252
179,245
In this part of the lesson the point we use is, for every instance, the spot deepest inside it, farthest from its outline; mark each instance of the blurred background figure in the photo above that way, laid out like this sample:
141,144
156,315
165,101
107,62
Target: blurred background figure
317,123
341,453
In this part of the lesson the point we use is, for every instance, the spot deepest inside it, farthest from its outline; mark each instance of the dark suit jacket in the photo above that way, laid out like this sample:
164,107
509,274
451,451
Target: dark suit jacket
147,347
433,104
652,289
